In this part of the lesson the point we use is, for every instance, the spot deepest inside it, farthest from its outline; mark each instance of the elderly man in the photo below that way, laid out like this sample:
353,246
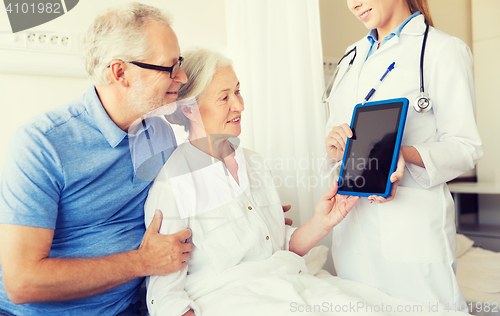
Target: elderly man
71,203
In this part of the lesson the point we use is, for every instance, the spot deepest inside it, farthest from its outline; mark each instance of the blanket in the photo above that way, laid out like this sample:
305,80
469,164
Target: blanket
281,285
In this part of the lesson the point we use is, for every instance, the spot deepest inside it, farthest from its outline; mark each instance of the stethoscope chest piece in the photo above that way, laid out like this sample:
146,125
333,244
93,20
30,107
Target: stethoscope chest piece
422,103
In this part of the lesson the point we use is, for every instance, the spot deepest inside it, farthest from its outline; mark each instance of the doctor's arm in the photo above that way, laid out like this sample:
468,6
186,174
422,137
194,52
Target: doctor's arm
411,155
457,146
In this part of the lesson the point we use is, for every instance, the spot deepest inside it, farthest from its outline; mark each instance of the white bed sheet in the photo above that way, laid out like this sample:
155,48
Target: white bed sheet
478,274
260,288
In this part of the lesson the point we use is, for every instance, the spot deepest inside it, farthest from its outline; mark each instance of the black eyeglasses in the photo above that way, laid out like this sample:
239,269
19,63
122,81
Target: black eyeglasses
172,70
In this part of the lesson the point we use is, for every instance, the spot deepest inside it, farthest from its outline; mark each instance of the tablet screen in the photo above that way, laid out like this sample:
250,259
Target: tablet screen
370,152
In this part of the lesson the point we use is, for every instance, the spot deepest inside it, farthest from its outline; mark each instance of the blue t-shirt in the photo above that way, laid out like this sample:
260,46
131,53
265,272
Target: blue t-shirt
71,170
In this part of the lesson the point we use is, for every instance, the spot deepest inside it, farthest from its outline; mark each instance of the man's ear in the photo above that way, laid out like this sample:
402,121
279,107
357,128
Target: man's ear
187,111
192,113
116,72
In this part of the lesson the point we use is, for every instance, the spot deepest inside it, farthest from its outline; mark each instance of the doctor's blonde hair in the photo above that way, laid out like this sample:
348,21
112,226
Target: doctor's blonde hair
423,7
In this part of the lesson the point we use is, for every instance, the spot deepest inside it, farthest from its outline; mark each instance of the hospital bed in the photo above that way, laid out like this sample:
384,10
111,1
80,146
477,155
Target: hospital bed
478,274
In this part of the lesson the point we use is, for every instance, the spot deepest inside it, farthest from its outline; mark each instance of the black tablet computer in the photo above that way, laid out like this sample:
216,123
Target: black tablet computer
371,155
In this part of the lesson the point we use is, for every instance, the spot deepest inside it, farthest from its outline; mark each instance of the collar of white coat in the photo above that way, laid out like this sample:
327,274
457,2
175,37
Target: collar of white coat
415,26
372,35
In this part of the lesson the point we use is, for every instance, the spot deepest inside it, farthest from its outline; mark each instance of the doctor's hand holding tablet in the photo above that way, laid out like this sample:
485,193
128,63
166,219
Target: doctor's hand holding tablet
372,161
417,132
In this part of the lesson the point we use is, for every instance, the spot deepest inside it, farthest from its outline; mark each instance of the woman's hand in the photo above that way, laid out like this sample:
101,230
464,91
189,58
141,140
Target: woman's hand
332,208
336,140
330,211
395,177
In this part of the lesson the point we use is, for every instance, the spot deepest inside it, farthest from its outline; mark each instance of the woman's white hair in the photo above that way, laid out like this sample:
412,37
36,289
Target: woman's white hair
200,66
119,33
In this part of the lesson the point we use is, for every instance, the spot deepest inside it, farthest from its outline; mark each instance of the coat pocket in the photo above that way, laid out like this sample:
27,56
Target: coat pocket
412,227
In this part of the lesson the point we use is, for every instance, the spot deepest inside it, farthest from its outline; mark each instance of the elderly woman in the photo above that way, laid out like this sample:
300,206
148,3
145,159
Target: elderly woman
222,192
245,260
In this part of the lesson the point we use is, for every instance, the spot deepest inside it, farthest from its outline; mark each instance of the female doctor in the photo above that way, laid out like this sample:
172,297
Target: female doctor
405,245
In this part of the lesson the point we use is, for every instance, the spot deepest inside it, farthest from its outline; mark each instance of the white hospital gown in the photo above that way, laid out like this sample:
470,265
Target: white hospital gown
232,223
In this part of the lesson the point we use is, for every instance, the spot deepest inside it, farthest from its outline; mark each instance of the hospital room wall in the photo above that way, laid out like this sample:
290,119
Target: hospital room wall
486,45
23,96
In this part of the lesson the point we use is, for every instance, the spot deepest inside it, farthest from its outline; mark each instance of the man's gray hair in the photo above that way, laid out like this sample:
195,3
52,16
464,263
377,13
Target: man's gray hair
119,33
200,66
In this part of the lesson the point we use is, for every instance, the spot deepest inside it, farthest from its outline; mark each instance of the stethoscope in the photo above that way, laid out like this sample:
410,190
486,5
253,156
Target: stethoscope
422,104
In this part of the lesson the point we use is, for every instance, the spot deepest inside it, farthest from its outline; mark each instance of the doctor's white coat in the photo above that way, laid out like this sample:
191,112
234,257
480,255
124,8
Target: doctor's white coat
407,247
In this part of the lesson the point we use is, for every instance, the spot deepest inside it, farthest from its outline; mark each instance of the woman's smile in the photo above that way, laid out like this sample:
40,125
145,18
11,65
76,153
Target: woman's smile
363,16
236,120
